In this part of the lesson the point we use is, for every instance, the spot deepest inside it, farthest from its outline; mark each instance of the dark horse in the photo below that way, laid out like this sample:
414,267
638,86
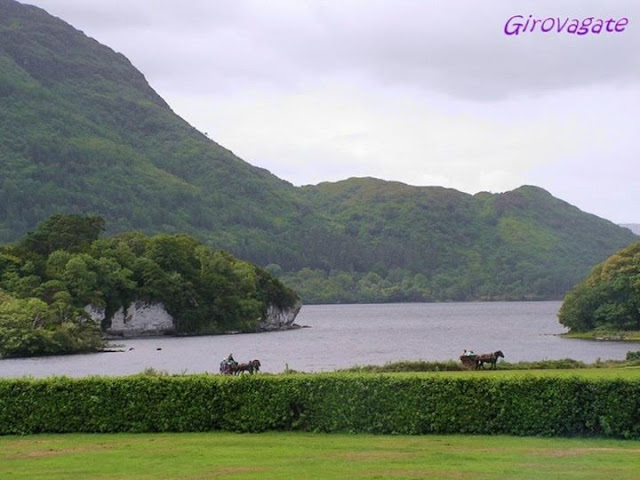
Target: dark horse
251,367
491,358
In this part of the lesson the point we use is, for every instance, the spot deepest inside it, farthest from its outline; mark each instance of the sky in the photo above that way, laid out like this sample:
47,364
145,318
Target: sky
424,92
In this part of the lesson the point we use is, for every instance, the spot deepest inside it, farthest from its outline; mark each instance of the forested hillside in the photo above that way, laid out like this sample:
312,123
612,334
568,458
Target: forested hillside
81,131
427,243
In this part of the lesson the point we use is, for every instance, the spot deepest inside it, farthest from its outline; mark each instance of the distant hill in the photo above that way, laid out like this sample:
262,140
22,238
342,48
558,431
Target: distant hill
81,131
634,227
519,244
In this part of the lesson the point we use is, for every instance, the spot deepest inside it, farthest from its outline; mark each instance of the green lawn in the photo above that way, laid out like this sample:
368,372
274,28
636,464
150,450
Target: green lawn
313,456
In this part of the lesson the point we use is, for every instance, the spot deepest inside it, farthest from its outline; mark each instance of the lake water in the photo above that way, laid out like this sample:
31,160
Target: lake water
345,335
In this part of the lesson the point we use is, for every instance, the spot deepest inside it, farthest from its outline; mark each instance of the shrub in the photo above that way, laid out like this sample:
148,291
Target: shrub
633,356
385,404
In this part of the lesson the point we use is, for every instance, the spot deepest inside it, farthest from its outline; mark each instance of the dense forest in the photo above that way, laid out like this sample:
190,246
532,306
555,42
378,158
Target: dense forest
50,276
426,243
82,132
609,298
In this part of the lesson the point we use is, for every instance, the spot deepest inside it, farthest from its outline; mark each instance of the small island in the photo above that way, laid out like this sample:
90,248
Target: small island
63,289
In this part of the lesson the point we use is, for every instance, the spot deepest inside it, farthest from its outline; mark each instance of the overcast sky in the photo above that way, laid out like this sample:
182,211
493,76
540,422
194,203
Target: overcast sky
423,92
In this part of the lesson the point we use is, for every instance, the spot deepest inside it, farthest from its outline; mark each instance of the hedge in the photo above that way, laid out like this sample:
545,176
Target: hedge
358,403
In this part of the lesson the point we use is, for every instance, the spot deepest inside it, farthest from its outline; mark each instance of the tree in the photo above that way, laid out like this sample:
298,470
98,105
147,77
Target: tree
609,298
72,233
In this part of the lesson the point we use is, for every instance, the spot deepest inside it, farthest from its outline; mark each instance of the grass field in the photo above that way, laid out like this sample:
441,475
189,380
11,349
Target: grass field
313,456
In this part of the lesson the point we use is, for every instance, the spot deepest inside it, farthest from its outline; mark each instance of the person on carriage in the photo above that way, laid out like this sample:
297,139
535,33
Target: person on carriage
468,353
227,364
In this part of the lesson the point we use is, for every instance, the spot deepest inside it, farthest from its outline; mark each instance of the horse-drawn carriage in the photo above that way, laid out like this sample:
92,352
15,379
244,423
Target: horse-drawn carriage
471,360
234,368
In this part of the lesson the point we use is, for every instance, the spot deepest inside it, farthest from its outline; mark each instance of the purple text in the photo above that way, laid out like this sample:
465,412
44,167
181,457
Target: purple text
518,24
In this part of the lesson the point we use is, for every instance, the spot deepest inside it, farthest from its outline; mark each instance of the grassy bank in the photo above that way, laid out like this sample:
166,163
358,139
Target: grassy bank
566,364
608,335
626,373
313,456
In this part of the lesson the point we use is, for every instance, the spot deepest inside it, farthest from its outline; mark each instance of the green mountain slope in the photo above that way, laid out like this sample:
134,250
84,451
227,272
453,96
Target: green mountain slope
516,245
81,131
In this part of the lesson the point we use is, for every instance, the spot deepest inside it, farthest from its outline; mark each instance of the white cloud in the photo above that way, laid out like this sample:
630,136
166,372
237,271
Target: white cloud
395,135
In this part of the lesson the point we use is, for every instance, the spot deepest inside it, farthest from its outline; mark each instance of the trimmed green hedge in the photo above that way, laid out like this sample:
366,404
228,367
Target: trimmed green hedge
388,404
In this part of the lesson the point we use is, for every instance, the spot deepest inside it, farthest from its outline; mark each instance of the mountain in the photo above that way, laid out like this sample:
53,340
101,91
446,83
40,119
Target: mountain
516,245
82,132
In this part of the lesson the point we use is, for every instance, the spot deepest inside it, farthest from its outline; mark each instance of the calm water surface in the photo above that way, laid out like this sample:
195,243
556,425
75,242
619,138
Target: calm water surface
346,335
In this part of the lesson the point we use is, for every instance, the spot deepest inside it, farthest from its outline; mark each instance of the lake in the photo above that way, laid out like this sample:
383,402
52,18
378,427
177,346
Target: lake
346,335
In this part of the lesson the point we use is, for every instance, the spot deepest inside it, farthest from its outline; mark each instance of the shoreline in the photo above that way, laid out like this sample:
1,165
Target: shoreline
111,337
603,336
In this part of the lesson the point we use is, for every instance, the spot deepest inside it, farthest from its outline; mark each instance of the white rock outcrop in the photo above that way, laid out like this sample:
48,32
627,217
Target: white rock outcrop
148,319
279,318
139,319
